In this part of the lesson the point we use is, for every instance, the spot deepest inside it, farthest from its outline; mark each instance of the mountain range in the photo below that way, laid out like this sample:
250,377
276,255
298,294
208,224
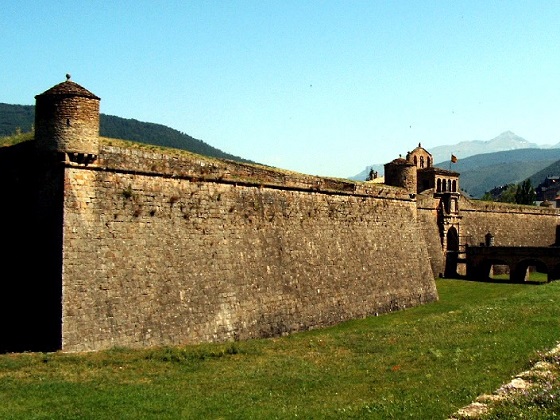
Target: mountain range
481,173
505,141
483,165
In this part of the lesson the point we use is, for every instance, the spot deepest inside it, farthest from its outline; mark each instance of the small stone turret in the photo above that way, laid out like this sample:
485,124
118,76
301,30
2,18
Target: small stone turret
67,122
401,173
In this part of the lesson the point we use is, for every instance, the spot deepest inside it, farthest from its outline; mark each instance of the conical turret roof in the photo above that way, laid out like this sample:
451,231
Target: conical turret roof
68,88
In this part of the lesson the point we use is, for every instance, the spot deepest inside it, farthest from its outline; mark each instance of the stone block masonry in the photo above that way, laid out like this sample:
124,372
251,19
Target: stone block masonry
511,225
67,119
165,258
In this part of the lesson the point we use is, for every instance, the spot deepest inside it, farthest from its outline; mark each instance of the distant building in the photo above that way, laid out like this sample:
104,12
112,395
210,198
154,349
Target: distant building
417,173
549,189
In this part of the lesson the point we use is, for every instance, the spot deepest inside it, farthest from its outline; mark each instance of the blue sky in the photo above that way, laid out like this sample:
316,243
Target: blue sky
320,87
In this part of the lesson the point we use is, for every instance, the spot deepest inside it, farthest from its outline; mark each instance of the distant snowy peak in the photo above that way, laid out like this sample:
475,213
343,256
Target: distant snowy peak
505,141
511,141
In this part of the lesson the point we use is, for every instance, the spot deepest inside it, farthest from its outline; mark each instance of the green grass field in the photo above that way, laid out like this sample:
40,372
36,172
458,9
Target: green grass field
421,363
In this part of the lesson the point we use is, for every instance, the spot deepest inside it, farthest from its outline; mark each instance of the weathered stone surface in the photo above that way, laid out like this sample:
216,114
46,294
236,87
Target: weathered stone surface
67,119
511,225
148,248
155,260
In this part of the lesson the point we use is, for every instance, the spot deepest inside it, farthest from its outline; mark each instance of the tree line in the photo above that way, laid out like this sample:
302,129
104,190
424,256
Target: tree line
522,193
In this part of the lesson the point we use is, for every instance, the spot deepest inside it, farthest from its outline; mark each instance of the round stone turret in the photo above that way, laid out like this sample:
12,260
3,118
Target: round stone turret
401,173
67,121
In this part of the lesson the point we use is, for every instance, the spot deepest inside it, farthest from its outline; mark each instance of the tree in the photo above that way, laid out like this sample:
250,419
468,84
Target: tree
487,196
525,193
508,194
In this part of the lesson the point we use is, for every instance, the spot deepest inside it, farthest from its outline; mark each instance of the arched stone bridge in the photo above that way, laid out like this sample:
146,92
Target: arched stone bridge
480,260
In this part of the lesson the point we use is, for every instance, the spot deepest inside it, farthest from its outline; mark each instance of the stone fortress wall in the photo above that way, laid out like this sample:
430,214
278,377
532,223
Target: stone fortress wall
114,245
511,225
162,250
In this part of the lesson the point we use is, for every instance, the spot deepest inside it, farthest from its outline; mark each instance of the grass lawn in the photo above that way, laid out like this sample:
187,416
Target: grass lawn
533,277
421,363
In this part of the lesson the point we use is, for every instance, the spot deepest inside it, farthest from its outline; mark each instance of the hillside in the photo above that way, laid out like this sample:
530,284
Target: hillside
16,117
21,117
481,173
551,170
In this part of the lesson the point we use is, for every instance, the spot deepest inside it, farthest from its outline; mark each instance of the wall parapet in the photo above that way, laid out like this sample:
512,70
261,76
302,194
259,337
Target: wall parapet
197,168
469,205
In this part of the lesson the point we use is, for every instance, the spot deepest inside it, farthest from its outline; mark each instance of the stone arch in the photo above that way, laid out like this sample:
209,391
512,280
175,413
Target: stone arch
521,271
438,189
454,186
494,267
452,252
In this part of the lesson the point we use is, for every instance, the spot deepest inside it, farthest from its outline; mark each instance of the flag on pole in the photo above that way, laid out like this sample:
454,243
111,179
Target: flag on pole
453,158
